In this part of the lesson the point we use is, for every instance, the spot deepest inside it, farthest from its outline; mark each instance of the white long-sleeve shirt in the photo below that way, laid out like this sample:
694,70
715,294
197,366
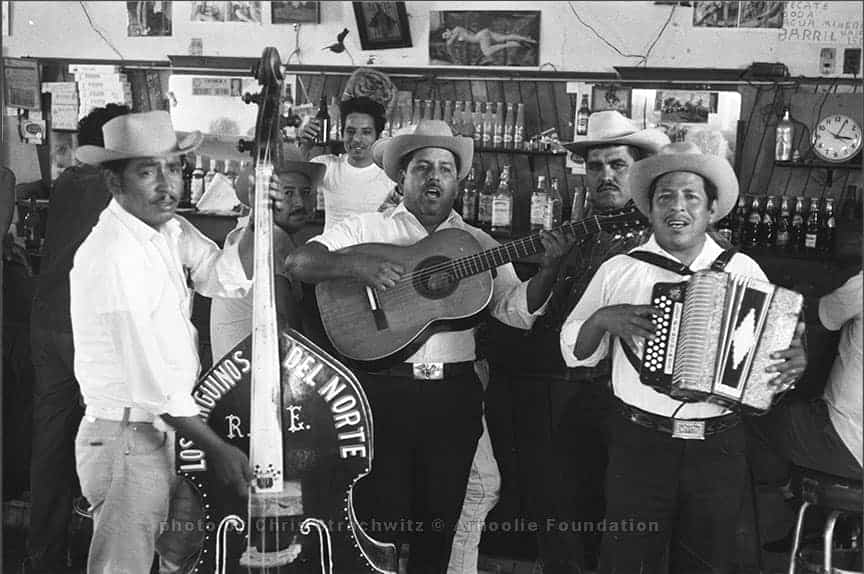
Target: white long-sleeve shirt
131,302
400,227
625,280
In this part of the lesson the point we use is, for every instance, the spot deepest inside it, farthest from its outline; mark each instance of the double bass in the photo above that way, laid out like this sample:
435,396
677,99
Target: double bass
301,416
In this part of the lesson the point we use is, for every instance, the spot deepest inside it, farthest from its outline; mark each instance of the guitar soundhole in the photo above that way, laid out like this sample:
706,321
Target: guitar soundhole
434,278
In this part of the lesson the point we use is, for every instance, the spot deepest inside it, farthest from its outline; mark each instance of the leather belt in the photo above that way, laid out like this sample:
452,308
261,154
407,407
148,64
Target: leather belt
125,414
428,371
679,428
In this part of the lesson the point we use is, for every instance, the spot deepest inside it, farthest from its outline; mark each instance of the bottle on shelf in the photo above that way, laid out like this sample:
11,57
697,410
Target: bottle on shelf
448,113
724,228
783,137
798,225
519,128
509,125
582,117
738,218
469,197
197,185
484,201
323,119
429,113
828,229
502,204
498,127
768,228
555,207
416,115
539,204
186,197
456,119
812,229
577,207
488,126
750,237
784,226
477,120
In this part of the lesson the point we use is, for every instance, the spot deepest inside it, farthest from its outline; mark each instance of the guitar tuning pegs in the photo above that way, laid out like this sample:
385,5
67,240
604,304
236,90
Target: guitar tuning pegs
245,145
254,69
252,98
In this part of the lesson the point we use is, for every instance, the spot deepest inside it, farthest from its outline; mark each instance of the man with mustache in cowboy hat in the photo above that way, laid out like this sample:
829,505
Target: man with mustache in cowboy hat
426,430
660,480
611,146
136,355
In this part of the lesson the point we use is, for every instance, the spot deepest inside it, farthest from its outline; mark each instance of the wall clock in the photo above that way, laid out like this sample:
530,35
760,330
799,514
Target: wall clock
837,138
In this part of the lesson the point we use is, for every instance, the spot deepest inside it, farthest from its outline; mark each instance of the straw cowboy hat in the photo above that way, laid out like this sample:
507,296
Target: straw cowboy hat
291,160
148,134
611,128
685,156
388,153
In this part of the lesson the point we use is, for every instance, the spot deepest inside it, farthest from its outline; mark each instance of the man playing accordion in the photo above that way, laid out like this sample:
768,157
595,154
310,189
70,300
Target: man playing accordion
677,471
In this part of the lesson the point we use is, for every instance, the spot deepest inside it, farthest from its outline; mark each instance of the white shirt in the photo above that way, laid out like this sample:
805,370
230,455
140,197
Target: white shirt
399,227
350,190
841,309
625,280
135,345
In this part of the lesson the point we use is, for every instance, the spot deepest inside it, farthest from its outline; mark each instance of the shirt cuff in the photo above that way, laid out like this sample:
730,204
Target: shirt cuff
179,405
231,275
569,335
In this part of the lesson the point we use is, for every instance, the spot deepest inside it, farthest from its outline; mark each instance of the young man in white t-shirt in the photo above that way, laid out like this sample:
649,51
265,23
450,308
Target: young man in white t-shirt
353,183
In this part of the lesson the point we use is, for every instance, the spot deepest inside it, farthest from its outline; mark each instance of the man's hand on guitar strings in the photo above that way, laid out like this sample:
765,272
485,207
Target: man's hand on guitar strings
556,244
791,362
375,271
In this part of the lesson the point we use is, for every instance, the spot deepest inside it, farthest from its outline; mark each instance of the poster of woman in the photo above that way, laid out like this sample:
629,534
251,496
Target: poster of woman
471,38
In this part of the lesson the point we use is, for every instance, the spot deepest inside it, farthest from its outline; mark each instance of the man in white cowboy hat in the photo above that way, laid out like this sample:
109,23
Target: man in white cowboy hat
426,428
611,146
661,478
136,355
295,180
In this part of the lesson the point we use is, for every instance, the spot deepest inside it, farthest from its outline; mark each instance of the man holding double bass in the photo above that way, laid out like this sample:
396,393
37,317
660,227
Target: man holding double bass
428,409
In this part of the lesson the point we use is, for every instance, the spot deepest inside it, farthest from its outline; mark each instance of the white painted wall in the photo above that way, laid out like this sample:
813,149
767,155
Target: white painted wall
60,29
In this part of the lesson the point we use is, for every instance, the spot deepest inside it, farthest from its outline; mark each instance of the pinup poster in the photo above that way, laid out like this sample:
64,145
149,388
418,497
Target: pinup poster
226,11
469,38
149,18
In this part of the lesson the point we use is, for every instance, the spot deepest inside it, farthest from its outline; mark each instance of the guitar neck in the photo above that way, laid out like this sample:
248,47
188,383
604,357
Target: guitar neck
517,249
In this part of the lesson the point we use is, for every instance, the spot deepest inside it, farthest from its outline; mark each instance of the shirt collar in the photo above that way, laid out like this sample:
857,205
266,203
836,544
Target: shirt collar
710,251
453,219
140,230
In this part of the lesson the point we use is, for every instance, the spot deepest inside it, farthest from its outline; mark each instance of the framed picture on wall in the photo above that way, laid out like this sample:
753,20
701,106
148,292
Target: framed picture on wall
382,25
295,12
469,38
148,18
605,97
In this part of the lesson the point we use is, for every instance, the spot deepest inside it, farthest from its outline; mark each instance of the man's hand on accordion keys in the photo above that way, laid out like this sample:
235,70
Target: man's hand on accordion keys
628,322
790,363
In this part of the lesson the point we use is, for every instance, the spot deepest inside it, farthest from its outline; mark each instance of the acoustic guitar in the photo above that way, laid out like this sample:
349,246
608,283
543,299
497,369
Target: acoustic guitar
448,279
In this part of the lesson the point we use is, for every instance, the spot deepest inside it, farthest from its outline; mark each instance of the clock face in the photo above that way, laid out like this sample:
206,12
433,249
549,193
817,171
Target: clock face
837,138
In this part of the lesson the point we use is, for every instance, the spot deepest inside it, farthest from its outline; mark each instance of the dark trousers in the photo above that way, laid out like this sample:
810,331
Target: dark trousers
425,435
801,432
663,491
57,411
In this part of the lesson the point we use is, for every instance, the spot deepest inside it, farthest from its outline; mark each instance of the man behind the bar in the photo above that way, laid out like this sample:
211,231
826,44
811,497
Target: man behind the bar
660,479
136,356
427,410
78,197
572,454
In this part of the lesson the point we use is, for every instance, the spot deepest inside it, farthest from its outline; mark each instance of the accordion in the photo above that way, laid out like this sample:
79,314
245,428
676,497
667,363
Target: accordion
714,337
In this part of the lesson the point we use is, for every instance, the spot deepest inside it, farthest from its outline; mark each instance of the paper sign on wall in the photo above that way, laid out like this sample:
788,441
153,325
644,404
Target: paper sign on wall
22,83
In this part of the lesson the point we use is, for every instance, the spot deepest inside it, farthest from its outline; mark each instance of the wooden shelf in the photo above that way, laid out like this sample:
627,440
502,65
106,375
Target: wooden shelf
819,164
482,149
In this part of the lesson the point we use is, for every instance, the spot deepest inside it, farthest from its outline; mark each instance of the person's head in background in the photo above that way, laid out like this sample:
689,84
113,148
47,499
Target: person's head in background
90,126
363,121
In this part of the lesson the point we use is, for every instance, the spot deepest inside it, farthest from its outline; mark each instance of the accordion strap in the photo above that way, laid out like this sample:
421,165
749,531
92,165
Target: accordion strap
718,264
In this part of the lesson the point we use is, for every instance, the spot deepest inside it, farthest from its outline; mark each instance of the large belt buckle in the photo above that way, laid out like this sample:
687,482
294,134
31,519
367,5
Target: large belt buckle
428,371
690,430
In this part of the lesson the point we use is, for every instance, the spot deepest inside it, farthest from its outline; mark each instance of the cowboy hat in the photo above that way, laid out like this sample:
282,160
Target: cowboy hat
611,128
427,133
685,156
291,161
147,134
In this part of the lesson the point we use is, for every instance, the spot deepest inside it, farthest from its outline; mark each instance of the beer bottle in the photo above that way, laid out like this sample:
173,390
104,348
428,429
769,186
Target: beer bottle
502,204
783,138
498,127
539,204
828,230
197,184
554,207
519,127
577,206
784,226
478,124
509,125
797,233
469,197
323,119
186,198
768,231
811,230
739,217
753,225
582,117
484,201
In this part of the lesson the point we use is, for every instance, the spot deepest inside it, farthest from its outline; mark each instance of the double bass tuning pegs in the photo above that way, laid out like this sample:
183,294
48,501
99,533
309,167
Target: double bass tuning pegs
252,98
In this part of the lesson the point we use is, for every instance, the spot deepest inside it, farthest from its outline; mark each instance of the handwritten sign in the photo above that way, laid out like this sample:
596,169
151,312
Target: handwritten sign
820,23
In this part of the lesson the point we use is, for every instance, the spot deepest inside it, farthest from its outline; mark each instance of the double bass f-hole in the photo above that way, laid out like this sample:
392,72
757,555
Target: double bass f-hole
301,416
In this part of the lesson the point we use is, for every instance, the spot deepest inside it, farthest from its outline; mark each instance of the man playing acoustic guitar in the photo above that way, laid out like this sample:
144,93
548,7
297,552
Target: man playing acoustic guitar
427,410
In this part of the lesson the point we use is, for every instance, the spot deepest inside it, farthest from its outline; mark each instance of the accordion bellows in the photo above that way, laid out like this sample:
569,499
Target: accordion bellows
715,336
